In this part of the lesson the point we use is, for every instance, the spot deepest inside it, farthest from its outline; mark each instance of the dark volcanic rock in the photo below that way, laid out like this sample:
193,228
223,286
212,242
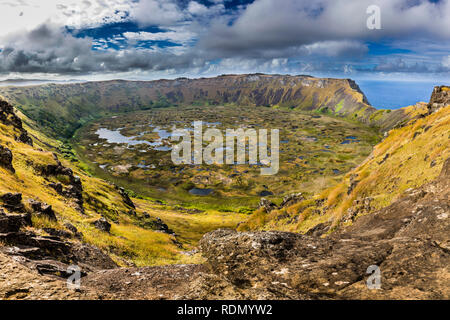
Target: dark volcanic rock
439,99
126,197
267,205
43,209
8,117
292,199
6,158
73,190
58,233
13,223
13,202
74,230
161,226
57,186
24,138
102,225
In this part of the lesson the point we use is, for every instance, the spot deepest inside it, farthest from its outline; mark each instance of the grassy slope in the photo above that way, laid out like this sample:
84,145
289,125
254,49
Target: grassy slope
129,240
415,152
66,107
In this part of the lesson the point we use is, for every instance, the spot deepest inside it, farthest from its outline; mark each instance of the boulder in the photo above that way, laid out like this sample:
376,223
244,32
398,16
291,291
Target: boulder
103,225
439,99
73,230
13,202
267,205
58,233
13,223
161,226
43,209
57,186
24,138
292,199
126,198
6,158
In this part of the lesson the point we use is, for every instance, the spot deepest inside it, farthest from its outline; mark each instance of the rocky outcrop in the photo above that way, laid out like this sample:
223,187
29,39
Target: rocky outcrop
9,117
6,158
292,199
289,200
359,207
73,189
439,99
13,223
161,226
125,197
13,202
42,209
50,255
24,138
102,224
267,205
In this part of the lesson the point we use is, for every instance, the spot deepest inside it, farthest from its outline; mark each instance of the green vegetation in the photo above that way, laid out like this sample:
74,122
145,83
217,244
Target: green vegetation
325,137
408,158
314,153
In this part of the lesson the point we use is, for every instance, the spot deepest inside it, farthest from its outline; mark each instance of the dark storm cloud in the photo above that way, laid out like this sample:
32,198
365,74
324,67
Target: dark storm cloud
270,25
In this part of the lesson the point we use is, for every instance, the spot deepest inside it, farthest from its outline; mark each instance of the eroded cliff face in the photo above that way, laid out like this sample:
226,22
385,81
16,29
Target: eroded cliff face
61,109
439,99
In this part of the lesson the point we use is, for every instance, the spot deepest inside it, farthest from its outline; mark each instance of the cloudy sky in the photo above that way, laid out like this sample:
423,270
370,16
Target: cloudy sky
150,39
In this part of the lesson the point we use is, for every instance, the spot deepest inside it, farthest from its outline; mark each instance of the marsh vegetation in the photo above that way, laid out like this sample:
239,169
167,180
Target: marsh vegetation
133,150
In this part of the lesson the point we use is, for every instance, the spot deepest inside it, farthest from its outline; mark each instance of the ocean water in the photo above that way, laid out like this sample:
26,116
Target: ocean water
396,94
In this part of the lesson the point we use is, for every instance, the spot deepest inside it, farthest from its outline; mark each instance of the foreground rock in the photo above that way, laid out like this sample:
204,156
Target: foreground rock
43,210
13,202
20,282
408,241
47,255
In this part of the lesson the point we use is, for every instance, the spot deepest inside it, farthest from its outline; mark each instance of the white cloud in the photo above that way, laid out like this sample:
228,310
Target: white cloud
446,62
27,14
196,8
336,48
157,12
176,35
269,24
